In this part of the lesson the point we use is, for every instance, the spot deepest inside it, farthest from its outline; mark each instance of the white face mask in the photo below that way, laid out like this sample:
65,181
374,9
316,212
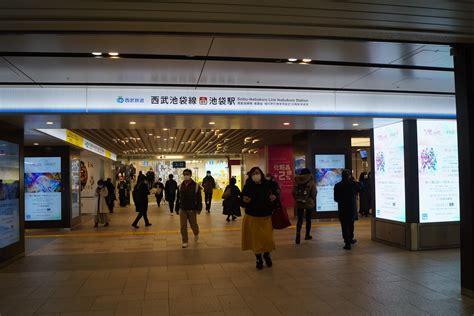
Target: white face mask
187,177
257,177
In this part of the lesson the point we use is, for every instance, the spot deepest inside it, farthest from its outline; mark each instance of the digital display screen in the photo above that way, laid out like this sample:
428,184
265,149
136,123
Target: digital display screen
9,194
328,172
363,154
43,187
438,171
390,172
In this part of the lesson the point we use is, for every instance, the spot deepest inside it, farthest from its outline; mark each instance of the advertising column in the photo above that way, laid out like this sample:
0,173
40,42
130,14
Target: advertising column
43,187
9,194
281,166
390,172
438,172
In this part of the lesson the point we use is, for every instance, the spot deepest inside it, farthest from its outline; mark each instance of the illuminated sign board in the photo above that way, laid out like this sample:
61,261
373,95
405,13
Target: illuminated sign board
389,172
328,172
438,171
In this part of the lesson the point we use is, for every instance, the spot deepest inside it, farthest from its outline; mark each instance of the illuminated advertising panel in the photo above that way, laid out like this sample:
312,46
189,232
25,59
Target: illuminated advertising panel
328,173
9,194
438,171
43,187
389,172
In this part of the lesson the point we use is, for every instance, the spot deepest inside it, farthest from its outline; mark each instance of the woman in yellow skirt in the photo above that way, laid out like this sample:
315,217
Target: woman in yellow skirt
257,231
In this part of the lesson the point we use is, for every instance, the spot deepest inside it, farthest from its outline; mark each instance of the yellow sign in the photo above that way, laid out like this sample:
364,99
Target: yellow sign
74,139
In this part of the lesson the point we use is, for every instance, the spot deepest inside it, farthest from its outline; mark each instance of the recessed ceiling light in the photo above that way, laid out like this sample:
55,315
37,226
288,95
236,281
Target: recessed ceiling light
132,123
113,54
49,123
307,60
165,139
35,144
150,134
165,129
171,137
355,124
292,59
96,53
212,123
158,136
286,123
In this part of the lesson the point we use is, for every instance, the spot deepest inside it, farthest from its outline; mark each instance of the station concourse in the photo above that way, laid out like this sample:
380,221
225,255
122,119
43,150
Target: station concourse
111,90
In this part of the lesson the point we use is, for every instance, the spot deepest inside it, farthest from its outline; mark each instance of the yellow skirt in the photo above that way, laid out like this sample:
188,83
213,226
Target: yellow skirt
257,234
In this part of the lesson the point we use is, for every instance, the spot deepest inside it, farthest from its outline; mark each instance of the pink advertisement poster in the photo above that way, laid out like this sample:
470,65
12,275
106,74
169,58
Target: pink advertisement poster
281,166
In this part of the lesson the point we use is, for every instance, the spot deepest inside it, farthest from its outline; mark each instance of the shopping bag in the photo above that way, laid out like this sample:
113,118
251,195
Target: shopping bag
280,219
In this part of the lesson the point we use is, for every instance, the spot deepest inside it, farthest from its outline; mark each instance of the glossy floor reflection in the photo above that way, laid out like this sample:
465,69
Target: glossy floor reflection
122,271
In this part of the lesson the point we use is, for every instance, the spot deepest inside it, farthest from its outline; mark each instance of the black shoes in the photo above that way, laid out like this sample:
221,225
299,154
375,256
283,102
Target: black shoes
149,224
353,241
106,224
135,225
259,261
228,219
308,237
347,247
298,238
268,259
234,217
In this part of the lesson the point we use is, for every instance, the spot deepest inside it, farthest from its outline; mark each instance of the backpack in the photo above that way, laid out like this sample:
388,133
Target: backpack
302,194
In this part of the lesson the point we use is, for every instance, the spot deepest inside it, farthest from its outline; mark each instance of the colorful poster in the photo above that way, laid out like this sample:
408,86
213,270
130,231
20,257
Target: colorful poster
43,187
438,171
389,172
9,194
281,166
328,173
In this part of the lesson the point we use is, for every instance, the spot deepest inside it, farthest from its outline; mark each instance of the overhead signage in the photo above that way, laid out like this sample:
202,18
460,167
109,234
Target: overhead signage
328,172
79,141
9,193
179,164
389,172
224,101
438,171
43,187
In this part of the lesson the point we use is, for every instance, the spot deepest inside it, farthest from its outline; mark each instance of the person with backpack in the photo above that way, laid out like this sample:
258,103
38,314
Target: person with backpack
304,195
140,197
159,188
190,204
171,187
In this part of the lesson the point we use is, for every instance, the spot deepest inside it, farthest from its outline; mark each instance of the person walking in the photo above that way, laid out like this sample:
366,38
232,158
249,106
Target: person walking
231,203
190,204
345,194
159,190
257,231
140,197
209,184
150,177
304,195
111,196
171,187
122,189
101,216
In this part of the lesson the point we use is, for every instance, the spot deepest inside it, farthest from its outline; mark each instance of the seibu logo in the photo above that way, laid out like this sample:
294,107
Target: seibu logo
203,100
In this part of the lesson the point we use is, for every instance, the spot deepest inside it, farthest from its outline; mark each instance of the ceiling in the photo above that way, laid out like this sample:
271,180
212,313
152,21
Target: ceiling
403,20
158,60
184,134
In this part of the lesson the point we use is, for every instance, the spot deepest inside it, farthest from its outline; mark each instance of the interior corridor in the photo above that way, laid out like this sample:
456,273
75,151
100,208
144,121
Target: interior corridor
119,270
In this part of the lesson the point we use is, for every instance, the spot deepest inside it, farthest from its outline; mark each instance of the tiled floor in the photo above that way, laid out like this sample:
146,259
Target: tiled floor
122,271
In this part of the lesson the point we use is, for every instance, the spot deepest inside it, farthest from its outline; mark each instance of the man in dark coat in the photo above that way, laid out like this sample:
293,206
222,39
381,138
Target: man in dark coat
159,191
171,187
190,204
209,184
140,197
111,196
150,177
345,194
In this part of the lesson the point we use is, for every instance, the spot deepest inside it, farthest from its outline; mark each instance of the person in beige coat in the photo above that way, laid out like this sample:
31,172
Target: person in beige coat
101,215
